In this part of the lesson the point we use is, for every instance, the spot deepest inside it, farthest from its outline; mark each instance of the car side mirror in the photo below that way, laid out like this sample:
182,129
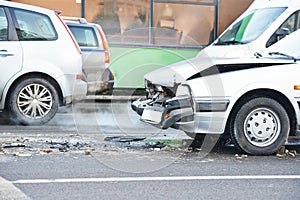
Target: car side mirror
282,32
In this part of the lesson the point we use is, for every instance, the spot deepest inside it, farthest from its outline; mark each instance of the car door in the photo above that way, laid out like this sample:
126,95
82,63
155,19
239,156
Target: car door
10,50
288,45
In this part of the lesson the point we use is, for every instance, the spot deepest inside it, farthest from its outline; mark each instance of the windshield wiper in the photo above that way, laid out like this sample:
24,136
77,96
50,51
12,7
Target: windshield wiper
229,42
284,55
257,55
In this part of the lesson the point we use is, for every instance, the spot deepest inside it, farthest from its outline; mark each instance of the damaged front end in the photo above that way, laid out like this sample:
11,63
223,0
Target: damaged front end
166,107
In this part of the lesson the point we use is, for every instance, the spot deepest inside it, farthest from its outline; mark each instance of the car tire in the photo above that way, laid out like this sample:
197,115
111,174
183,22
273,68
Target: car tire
33,101
260,126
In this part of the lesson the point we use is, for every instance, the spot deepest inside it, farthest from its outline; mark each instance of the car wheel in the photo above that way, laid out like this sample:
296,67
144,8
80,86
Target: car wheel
260,126
33,101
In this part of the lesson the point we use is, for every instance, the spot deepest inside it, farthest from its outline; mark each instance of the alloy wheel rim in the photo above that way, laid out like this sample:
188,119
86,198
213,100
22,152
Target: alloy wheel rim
34,101
262,127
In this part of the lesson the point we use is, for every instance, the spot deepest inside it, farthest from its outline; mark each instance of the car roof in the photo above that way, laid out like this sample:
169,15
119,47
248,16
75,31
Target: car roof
77,21
25,6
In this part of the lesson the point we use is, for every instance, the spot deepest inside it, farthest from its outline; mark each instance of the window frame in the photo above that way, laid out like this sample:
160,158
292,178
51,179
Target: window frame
17,26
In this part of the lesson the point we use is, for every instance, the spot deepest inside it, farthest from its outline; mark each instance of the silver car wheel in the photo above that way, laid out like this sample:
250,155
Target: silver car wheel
262,127
34,101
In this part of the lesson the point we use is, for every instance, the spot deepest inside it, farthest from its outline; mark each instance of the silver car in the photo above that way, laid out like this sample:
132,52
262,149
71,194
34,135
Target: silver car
96,57
40,62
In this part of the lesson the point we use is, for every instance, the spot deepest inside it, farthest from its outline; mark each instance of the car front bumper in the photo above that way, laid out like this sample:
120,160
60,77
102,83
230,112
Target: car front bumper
171,113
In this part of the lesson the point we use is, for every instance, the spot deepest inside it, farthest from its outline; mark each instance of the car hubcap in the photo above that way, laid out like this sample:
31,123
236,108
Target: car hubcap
262,127
34,101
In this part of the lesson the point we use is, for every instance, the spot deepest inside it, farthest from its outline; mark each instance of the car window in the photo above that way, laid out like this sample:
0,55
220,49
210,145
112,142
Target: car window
287,45
85,36
289,26
3,26
292,23
34,26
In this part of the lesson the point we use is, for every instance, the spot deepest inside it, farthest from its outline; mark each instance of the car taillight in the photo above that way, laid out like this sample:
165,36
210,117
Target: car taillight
105,45
70,34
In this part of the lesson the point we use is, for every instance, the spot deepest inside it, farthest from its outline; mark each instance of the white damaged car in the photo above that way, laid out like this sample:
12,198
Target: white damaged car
255,100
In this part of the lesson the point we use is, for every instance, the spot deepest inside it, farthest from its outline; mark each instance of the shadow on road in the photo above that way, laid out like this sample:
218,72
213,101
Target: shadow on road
6,120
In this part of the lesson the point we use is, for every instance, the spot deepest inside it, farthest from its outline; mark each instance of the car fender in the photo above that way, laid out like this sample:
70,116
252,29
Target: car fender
48,69
263,86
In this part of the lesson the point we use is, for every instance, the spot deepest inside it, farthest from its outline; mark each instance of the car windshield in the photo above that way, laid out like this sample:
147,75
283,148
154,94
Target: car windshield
250,27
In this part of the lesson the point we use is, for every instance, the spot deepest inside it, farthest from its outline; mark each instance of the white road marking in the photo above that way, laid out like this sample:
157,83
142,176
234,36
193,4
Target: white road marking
170,178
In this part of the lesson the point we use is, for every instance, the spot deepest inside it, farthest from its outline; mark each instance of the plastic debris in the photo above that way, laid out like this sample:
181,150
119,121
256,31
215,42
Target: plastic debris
13,145
283,152
46,150
87,152
22,154
166,148
240,157
123,138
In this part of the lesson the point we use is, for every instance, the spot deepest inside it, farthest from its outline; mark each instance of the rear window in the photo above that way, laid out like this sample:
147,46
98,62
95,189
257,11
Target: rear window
85,36
3,26
34,26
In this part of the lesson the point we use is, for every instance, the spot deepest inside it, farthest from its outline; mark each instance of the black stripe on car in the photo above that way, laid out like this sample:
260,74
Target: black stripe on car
224,68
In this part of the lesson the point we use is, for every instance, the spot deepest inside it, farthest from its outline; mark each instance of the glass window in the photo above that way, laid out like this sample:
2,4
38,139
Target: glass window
34,26
84,36
298,20
3,26
167,23
183,24
250,26
290,25
124,21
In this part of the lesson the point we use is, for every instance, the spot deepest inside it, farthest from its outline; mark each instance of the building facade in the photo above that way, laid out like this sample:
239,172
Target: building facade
189,22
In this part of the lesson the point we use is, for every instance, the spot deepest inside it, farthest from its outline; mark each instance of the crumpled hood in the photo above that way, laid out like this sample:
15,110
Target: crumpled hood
178,72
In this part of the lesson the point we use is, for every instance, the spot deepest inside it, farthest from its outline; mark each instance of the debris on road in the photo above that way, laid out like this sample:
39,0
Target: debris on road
41,144
19,146
124,138
152,144
284,152
21,154
46,151
13,145
240,157
88,152
64,146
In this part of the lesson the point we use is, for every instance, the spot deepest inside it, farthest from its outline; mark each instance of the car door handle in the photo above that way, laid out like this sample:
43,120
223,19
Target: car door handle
4,53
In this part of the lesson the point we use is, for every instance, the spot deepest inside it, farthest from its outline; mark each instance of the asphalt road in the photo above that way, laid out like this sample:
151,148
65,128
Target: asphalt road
69,158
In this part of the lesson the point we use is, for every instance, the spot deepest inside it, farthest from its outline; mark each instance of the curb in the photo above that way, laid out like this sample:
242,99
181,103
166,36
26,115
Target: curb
9,192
